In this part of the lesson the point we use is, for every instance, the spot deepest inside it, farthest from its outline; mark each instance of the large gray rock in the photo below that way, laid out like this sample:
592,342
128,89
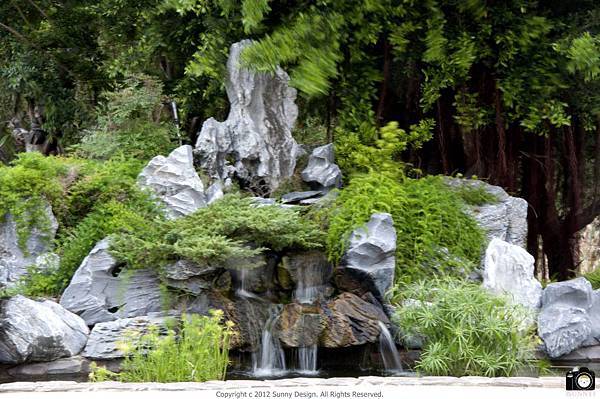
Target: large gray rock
508,269
175,182
98,292
255,143
105,339
33,331
594,315
505,219
370,257
564,323
321,169
14,262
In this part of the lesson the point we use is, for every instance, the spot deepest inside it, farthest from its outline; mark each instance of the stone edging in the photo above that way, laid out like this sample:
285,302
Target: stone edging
70,386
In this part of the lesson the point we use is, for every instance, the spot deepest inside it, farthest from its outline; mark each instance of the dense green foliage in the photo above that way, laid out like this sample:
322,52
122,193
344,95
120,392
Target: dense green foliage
128,123
232,230
499,86
466,330
427,217
26,188
90,199
198,351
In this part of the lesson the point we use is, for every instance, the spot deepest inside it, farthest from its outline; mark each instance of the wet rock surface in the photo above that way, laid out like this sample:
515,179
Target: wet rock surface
351,321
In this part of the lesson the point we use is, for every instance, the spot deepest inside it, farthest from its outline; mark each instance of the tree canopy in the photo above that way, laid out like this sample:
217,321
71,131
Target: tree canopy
508,91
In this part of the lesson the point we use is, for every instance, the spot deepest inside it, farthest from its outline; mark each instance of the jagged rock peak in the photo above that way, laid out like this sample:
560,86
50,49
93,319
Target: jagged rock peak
255,144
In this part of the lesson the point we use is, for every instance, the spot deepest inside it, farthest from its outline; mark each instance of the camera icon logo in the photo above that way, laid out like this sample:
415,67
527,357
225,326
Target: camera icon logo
580,379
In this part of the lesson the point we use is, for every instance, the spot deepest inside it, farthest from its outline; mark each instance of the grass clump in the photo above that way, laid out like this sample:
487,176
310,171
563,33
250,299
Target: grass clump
435,236
594,278
197,352
466,330
233,230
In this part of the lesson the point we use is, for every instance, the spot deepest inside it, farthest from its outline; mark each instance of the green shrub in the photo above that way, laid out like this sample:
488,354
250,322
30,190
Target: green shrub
466,330
382,151
99,183
199,352
139,139
129,123
427,217
31,181
232,230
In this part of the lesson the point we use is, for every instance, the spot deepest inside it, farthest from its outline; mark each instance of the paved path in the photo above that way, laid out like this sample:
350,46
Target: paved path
304,388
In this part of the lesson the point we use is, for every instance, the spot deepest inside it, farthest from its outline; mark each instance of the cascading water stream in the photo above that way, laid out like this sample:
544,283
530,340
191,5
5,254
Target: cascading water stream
309,289
271,357
388,350
307,360
242,290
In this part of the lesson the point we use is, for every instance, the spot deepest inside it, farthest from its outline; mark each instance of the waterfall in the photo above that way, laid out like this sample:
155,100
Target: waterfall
307,359
242,289
388,350
311,283
271,358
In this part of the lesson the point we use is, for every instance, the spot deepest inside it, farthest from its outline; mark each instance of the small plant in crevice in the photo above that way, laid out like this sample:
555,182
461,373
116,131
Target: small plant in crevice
232,230
197,350
466,330
475,194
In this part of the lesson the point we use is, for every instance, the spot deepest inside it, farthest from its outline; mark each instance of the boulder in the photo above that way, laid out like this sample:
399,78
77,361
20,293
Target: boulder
98,292
370,258
564,323
594,315
321,171
508,269
255,143
300,325
563,329
33,331
505,219
105,339
14,260
190,277
573,293
175,182
350,320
